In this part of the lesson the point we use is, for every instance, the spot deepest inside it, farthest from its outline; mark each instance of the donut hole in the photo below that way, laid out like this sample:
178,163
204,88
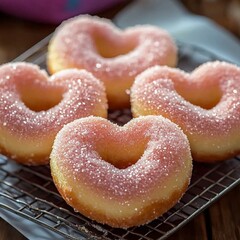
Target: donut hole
122,155
40,98
206,99
112,47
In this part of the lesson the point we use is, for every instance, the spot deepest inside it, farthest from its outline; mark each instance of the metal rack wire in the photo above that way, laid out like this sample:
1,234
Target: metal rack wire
29,192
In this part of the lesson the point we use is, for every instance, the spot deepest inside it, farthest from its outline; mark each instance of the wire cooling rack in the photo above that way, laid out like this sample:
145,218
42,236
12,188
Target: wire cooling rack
29,192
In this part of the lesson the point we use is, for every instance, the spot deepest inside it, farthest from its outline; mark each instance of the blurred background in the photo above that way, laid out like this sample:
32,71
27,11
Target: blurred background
224,12
31,23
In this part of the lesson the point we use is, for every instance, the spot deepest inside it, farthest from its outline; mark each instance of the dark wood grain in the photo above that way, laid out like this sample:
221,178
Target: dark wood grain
223,12
225,217
194,230
17,35
8,232
221,221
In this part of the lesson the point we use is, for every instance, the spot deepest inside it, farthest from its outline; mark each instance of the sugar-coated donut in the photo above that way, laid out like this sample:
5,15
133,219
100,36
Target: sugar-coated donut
112,55
121,176
33,108
205,104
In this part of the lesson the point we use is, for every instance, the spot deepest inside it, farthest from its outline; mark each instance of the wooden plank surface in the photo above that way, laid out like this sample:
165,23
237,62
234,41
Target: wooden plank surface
194,230
221,221
8,232
225,217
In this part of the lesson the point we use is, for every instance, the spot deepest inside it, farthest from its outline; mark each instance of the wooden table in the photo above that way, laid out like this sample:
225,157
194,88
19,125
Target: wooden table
219,222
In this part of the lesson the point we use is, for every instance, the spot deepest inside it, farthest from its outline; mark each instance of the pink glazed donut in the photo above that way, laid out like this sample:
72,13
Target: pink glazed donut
121,176
114,56
35,107
205,104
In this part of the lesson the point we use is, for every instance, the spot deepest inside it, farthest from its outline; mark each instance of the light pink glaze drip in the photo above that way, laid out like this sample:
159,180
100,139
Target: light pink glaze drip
75,153
74,43
81,94
155,91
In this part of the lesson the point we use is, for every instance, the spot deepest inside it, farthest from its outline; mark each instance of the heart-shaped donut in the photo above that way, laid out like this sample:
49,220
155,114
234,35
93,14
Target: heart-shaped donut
112,55
33,107
121,176
205,104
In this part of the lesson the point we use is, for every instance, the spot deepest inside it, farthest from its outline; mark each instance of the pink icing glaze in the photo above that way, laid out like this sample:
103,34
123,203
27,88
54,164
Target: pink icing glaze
158,91
112,55
75,44
82,95
76,154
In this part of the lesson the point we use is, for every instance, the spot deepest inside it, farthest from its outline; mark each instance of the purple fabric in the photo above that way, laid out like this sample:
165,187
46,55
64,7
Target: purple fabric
53,11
